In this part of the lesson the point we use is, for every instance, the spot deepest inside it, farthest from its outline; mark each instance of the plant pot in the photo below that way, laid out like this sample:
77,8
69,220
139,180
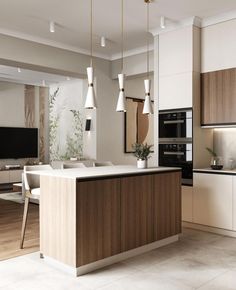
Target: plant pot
217,162
141,164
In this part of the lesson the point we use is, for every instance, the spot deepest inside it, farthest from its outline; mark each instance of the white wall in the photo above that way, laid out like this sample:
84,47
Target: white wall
219,46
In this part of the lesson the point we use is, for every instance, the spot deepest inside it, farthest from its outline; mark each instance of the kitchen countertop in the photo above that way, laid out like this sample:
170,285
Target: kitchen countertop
103,171
212,171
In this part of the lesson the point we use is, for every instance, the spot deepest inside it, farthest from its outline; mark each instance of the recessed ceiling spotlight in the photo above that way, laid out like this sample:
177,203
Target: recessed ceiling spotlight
162,22
19,70
103,41
43,83
68,78
52,26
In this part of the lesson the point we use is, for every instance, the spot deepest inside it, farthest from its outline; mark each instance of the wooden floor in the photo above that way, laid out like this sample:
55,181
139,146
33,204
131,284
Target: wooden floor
10,228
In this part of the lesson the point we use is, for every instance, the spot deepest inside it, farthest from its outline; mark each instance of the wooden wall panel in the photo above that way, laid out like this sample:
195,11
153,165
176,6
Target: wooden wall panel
30,106
136,211
98,220
43,93
167,205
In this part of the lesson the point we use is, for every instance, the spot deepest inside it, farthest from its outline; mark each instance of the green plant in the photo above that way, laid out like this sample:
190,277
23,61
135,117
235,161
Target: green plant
142,151
213,153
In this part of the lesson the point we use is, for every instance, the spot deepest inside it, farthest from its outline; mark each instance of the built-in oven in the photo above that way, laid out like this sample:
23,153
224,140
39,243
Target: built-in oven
174,125
178,155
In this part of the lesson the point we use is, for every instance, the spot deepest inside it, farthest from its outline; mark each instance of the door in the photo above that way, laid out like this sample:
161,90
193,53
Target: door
212,200
136,211
167,205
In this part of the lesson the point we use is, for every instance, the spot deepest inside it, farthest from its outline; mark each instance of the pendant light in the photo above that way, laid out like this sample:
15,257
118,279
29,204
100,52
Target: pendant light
90,102
121,104
147,107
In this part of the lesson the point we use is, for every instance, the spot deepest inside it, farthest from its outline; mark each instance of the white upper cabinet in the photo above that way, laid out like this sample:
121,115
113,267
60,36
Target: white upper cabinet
178,58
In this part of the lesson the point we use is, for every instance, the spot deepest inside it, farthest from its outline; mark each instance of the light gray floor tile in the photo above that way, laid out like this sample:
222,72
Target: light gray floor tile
146,281
226,281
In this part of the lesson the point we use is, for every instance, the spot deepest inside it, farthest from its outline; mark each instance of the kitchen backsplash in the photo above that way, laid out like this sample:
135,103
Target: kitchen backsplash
225,145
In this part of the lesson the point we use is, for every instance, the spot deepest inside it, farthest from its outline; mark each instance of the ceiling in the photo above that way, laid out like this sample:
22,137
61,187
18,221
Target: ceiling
29,77
30,20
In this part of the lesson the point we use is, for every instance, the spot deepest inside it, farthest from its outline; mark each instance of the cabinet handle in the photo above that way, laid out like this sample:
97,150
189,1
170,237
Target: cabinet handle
174,122
173,153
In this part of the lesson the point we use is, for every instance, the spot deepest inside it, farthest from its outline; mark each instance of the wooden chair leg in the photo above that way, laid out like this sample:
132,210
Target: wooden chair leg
25,215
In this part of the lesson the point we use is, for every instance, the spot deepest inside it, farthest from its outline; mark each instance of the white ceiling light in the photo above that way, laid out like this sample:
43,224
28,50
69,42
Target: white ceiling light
43,83
19,70
90,102
52,26
147,107
68,78
162,22
121,104
103,41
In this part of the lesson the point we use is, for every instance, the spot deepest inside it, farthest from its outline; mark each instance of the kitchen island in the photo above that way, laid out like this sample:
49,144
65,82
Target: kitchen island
93,217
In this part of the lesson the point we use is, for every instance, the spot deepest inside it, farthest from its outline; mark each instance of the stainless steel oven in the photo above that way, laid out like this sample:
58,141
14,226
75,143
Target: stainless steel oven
178,155
175,125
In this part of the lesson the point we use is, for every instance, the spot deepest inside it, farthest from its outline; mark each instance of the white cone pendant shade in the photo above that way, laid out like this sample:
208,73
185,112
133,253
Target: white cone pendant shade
147,107
90,102
121,104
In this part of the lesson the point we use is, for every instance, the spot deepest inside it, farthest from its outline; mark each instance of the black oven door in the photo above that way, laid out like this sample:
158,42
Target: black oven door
175,124
178,155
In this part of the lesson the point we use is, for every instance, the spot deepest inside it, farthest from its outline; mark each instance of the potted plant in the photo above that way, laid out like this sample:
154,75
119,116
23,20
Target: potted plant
216,161
142,152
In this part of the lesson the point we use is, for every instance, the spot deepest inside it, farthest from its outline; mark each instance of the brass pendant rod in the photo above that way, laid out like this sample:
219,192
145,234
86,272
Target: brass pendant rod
122,36
91,33
147,39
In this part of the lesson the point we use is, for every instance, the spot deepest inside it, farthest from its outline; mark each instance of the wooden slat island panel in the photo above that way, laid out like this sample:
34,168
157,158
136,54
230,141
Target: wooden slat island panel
98,220
136,212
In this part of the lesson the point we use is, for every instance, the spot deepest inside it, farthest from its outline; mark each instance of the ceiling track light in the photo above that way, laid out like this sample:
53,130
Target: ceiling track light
147,107
52,26
19,70
121,103
90,102
43,83
103,41
163,22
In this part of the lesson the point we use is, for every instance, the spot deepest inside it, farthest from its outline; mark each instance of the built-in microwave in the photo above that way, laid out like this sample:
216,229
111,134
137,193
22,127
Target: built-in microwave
175,125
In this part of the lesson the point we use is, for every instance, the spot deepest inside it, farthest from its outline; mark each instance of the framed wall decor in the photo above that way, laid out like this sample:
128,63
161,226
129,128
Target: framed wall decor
139,128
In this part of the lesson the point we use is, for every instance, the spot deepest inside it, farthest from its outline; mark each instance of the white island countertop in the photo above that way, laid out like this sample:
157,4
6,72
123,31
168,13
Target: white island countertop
213,171
103,171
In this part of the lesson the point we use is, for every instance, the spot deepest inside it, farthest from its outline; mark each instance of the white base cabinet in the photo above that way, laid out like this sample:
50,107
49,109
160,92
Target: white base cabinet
10,176
187,203
213,200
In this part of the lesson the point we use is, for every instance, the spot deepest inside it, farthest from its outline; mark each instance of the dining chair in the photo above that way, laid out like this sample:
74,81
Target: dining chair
31,184
73,165
105,163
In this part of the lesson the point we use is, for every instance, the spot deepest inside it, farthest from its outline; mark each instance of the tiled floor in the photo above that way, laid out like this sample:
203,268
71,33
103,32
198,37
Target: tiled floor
198,261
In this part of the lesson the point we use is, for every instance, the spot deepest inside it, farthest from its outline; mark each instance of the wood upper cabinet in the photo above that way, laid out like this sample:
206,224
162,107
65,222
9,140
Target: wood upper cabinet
167,205
136,211
218,97
98,220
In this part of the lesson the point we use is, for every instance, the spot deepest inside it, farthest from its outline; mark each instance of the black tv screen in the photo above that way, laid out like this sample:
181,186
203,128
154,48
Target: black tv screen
18,143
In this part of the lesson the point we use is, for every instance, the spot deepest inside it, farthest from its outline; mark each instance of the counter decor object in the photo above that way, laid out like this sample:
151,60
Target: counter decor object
216,161
142,152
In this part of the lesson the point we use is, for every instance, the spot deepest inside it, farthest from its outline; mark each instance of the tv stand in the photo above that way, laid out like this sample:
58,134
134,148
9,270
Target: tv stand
10,176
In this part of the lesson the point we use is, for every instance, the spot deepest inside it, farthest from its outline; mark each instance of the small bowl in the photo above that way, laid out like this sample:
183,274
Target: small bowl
216,167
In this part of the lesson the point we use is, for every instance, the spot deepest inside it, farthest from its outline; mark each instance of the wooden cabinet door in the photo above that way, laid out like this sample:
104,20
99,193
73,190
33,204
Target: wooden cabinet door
16,175
187,203
136,211
218,97
98,220
212,200
167,205
4,177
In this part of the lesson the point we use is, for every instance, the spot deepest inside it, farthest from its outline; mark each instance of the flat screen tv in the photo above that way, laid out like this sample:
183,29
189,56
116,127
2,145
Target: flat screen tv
18,143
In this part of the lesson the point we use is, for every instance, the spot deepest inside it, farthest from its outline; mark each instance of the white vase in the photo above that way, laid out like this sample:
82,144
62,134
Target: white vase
141,164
